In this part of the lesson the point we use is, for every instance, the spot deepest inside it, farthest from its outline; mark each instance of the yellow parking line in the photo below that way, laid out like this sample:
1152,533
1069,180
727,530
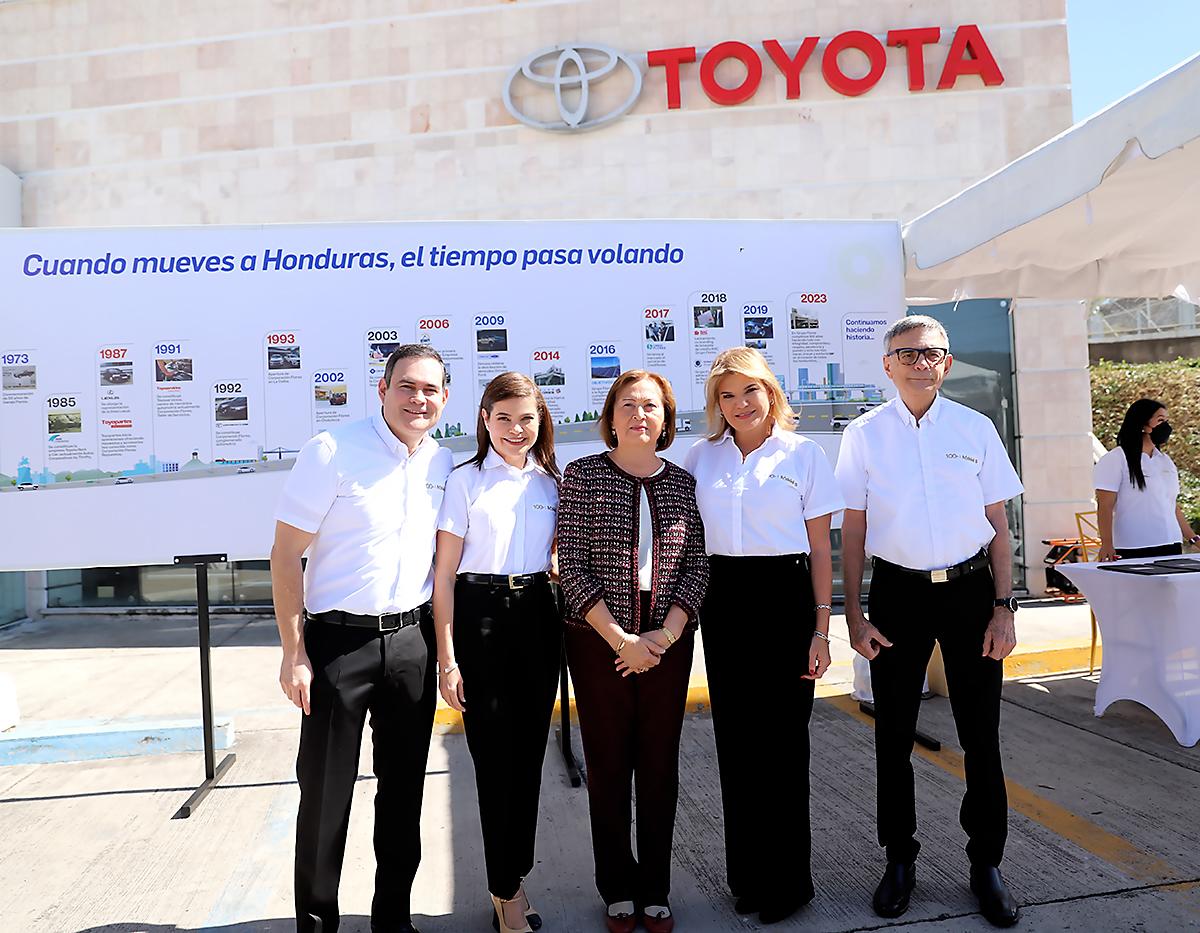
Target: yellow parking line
1117,851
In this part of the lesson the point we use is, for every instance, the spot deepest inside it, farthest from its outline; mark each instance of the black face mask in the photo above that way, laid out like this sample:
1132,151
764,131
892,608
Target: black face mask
1160,433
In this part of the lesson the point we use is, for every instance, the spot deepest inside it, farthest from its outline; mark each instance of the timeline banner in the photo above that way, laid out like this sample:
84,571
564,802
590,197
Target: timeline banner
180,360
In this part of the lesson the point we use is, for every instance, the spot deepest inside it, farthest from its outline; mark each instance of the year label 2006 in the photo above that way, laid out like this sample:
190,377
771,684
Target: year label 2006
433,323
225,388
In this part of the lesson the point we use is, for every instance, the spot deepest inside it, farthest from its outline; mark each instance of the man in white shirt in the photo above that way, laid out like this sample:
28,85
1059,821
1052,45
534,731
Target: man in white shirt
925,482
363,501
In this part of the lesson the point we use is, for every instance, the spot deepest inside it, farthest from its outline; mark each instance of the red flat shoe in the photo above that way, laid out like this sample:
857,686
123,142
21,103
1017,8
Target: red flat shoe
625,923
658,924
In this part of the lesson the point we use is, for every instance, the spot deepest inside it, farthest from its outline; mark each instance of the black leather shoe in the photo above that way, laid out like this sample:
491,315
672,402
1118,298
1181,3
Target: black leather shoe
995,901
891,897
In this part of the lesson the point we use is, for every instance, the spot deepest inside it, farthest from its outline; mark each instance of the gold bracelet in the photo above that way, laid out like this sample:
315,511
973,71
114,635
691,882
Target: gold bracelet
670,638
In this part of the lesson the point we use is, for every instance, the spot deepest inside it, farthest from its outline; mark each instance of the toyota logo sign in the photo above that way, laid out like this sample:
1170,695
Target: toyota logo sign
569,72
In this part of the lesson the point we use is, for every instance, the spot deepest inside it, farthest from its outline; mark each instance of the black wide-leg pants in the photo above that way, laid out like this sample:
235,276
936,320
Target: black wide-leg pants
631,728
912,613
760,710
508,644
391,676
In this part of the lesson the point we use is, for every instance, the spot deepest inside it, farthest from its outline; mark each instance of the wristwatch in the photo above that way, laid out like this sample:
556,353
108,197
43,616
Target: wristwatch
1009,602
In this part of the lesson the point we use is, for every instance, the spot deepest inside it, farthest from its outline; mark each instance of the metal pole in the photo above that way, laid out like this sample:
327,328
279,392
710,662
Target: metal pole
206,702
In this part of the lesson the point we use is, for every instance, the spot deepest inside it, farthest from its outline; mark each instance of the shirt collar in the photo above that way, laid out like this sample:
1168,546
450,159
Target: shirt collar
493,461
907,416
393,443
727,437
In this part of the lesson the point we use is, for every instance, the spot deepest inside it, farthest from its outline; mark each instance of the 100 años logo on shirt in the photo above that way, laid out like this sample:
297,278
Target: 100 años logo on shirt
967,457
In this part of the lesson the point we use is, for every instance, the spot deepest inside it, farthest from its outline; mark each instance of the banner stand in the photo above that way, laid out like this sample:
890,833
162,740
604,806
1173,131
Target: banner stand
923,739
212,771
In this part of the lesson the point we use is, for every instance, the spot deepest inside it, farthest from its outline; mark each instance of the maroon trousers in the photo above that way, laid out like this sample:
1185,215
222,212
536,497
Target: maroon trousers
630,728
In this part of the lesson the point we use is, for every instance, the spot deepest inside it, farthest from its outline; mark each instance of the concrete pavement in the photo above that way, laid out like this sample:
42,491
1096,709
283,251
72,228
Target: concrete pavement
1103,827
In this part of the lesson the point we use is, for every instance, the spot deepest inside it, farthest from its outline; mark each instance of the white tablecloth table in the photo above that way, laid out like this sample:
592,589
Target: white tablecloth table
1151,631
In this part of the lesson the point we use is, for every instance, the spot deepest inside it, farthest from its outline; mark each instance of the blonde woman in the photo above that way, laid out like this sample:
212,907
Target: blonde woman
766,495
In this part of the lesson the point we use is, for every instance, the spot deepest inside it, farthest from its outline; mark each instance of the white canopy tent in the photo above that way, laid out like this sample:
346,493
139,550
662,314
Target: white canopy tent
1109,207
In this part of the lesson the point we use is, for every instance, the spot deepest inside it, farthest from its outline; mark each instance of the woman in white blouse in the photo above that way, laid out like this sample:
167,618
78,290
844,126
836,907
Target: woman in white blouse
499,631
767,496
1137,490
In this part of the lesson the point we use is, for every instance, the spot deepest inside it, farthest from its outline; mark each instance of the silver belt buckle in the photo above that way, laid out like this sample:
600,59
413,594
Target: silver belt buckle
938,576
512,585
379,622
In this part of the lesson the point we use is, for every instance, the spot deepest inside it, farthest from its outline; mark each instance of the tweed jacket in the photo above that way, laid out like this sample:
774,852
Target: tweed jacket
598,515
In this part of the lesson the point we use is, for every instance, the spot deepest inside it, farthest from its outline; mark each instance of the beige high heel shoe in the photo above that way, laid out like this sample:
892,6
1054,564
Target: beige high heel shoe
498,905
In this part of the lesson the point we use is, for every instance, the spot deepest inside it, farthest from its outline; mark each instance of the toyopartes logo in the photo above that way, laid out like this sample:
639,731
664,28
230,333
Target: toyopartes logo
567,74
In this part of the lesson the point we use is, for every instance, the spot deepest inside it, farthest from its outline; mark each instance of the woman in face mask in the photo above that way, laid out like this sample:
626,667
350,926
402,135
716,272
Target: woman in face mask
1137,490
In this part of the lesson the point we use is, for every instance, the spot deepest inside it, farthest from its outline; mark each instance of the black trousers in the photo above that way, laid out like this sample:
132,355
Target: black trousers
768,840
912,613
355,672
507,644
1161,550
630,728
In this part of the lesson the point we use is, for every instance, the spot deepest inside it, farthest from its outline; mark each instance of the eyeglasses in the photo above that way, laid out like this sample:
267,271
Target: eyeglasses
909,355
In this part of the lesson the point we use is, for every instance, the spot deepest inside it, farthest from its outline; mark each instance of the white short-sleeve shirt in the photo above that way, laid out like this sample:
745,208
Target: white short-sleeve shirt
924,485
505,516
1141,517
373,508
758,506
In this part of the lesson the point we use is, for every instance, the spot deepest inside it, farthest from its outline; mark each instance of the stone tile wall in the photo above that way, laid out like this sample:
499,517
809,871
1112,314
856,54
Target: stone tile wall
246,111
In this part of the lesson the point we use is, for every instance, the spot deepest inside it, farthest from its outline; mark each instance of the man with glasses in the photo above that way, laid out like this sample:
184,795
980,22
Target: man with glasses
363,501
925,482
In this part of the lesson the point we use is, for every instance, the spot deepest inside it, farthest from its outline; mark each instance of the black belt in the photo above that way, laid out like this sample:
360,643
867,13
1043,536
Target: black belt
512,581
388,622
970,565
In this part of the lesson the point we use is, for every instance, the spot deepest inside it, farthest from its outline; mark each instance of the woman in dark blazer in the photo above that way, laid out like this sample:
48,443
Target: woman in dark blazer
634,572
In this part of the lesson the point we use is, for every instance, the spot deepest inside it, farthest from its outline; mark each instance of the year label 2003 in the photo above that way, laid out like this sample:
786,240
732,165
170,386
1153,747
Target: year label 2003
376,335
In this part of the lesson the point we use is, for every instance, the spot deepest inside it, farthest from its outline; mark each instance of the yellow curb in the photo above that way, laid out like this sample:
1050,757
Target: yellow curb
1052,661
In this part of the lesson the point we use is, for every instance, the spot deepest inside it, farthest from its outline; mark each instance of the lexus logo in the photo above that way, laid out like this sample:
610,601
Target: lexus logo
568,72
